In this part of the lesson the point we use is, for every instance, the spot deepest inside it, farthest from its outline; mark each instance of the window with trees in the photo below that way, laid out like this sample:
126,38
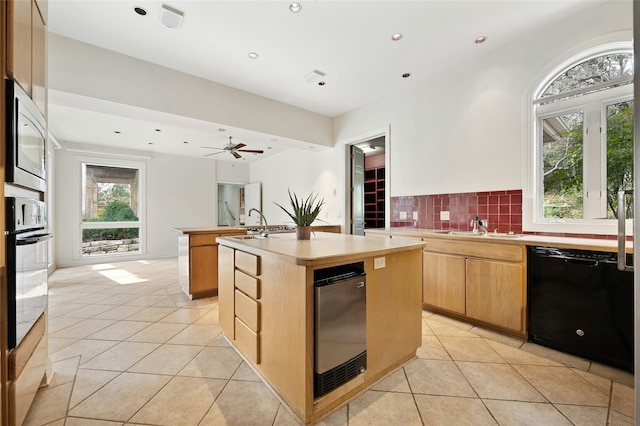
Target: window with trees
110,206
584,139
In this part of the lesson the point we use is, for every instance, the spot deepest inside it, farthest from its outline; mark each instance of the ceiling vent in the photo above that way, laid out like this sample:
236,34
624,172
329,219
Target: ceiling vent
170,17
314,76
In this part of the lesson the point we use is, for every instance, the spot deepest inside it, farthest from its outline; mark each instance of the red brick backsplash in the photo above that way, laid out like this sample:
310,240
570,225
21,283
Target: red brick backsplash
503,209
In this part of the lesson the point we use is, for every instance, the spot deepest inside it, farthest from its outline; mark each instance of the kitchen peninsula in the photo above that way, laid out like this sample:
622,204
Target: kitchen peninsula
267,309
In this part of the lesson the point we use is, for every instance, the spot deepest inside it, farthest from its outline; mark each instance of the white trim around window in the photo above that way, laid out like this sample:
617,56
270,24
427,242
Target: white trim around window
532,213
78,160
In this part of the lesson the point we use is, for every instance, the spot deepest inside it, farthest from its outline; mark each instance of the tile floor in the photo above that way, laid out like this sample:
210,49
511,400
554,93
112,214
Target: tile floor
129,348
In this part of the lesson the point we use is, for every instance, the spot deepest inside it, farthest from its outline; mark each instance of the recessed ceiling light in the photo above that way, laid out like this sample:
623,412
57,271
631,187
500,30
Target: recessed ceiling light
158,130
268,147
253,55
222,129
406,75
480,40
396,36
321,83
295,7
140,11
116,131
151,143
273,140
185,142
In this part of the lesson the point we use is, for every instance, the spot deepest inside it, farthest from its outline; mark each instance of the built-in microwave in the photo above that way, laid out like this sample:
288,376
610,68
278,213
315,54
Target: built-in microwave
26,140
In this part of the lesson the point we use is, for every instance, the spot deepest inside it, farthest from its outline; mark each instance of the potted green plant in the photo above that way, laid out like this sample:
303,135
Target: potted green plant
304,212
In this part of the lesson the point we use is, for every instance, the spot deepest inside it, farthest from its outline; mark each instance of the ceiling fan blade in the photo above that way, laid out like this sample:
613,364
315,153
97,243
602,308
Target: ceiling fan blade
255,151
240,145
235,154
213,153
212,147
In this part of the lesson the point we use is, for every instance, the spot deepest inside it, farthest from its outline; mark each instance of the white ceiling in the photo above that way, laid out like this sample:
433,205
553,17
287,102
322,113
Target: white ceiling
349,41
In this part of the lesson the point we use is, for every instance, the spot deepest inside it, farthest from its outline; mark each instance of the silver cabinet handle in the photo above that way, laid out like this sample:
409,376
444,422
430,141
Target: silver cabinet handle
622,237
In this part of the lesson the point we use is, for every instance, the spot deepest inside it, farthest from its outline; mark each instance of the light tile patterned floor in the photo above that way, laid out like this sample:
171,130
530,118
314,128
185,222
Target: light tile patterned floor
128,347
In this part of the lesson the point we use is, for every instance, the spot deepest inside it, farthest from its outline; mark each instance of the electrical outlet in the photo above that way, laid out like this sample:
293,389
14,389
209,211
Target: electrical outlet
379,262
415,215
403,215
444,215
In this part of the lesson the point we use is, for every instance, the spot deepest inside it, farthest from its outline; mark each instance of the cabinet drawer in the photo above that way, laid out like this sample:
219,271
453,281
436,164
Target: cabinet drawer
248,263
202,240
248,284
248,310
247,341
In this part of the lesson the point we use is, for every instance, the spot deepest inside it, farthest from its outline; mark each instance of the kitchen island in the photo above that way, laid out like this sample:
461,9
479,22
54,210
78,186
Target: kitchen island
266,303
198,259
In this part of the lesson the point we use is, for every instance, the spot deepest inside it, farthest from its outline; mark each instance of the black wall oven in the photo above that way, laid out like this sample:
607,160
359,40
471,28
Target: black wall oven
27,263
26,140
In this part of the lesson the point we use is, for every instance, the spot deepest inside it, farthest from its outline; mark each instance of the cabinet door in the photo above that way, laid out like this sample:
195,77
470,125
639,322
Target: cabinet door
204,268
19,43
443,281
38,55
495,293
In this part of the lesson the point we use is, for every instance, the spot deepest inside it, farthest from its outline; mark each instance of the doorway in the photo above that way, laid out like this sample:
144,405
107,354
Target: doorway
235,201
375,184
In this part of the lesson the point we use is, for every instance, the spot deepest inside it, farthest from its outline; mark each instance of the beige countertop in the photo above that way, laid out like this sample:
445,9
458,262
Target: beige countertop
525,239
324,247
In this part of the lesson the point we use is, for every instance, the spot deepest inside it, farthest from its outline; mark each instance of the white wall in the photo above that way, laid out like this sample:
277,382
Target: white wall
462,130
303,172
465,129
180,193
232,172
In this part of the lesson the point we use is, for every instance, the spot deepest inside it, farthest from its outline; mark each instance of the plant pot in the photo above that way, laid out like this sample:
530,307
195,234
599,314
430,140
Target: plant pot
303,232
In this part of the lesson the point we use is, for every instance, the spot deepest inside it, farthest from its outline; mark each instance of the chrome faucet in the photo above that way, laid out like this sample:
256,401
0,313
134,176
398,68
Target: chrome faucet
480,226
484,226
265,231
475,222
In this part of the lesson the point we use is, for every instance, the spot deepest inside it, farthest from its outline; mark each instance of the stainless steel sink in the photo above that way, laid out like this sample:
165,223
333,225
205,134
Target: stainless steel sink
253,237
467,233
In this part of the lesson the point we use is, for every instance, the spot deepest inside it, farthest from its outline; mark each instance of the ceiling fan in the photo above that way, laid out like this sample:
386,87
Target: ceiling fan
233,149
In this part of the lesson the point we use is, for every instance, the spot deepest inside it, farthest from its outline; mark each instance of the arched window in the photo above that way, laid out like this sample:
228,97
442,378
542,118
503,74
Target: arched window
584,138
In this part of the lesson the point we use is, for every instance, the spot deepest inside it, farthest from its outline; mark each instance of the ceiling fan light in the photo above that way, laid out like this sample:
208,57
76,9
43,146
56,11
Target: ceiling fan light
295,7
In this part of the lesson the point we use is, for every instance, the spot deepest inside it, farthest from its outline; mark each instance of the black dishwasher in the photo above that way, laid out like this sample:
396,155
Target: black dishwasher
580,303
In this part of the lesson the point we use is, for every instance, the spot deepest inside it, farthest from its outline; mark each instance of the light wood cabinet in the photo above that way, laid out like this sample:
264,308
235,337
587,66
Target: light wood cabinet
495,293
26,48
240,317
269,316
198,261
443,281
19,39
204,269
484,282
